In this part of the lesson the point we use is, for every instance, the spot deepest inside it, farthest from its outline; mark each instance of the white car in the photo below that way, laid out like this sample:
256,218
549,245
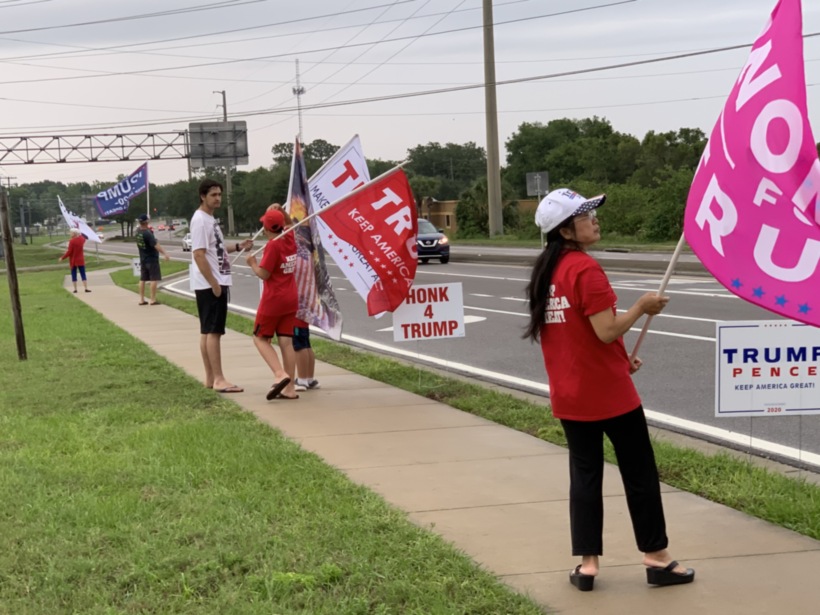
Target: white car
186,243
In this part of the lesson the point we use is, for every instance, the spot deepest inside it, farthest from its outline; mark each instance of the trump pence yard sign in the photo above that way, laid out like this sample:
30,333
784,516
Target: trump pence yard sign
430,312
767,367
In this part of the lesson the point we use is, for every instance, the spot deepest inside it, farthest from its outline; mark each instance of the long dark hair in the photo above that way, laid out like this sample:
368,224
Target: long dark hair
538,290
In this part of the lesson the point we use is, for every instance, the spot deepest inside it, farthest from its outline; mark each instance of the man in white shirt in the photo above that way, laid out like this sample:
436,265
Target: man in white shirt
211,281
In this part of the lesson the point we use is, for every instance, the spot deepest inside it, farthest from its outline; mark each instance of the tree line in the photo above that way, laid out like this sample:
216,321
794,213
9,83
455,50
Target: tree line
646,180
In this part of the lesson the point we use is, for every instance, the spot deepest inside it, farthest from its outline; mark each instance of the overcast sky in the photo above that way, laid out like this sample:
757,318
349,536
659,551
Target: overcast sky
63,74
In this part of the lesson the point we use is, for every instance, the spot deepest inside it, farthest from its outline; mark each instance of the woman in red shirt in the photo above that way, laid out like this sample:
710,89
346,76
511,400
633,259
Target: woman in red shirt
572,313
76,257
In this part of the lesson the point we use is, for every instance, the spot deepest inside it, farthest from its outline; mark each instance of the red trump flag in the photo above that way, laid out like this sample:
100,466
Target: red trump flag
379,220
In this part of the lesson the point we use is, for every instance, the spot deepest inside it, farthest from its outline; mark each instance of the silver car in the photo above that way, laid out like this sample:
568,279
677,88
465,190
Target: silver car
186,243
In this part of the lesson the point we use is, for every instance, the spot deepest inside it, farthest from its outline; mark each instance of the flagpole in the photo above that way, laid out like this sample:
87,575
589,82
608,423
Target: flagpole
334,203
664,283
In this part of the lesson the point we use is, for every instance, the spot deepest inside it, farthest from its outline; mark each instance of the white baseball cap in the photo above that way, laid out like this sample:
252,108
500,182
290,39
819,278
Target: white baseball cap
561,204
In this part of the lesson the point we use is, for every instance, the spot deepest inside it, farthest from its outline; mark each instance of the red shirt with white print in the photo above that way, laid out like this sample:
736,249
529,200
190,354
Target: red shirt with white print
279,295
589,380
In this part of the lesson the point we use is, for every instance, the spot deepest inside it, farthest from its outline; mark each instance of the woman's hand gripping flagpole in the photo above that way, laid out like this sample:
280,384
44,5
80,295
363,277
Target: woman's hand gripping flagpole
664,283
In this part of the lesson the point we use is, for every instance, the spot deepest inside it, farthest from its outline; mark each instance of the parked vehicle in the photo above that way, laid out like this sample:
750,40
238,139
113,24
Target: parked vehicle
432,243
186,243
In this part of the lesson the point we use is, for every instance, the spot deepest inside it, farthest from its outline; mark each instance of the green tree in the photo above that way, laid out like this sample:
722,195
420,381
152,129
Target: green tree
664,221
423,187
376,166
316,153
455,166
255,190
674,150
571,150
472,210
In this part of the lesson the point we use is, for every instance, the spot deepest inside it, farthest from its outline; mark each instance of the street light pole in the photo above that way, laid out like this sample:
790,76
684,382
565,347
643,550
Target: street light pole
228,169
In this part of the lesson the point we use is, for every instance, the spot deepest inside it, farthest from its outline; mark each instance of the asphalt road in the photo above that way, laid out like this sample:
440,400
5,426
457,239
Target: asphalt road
676,382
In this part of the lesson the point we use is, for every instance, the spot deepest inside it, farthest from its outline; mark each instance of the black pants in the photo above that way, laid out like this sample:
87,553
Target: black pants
636,461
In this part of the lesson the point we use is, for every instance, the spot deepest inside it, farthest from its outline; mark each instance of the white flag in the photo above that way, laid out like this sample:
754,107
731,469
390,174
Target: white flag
345,171
74,221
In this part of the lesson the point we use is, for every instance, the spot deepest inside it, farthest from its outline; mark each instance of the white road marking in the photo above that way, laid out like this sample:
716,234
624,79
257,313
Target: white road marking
693,318
693,293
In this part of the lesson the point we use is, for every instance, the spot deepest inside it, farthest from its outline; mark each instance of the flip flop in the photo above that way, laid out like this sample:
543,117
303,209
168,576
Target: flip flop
231,389
655,575
280,396
277,388
143,303
154,303
584,582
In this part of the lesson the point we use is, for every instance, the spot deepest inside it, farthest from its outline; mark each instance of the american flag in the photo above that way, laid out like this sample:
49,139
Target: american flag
317,302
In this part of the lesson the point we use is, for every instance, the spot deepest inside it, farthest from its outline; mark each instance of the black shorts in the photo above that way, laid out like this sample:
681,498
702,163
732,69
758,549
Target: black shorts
213,310
301,338
149,272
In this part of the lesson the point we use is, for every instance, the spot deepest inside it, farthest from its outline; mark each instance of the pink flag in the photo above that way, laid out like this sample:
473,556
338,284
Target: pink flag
752,215
379,220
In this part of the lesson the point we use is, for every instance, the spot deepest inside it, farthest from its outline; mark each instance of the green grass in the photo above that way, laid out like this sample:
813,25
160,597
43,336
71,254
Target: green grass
44,253
125,487
721,478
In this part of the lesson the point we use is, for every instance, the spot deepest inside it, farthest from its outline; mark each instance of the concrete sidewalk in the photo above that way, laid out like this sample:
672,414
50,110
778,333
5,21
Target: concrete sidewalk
497,494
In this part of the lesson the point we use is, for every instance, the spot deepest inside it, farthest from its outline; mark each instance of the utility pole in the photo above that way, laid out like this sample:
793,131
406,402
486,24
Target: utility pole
11,274
496,221
298,91
8,192
228,169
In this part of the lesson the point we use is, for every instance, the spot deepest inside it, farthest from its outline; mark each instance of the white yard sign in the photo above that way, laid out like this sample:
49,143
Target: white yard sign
767,367
429,313
135,264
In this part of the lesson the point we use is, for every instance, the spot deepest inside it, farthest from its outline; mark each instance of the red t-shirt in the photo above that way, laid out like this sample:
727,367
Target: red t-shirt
589,380
279,290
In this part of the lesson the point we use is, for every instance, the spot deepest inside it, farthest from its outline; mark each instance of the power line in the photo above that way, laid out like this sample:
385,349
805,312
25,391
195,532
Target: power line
193,9
288,22
330,54
416,94
292,53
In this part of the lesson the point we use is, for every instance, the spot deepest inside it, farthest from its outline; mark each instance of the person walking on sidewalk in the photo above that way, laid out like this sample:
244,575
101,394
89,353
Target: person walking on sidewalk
276,314
75,253
211,281
572,313
150,250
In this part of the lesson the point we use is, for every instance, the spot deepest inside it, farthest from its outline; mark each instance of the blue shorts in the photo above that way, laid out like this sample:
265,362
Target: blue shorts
301,338
74,270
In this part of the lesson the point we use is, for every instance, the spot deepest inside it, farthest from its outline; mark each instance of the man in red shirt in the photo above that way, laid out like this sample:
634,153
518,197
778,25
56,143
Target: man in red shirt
276,314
